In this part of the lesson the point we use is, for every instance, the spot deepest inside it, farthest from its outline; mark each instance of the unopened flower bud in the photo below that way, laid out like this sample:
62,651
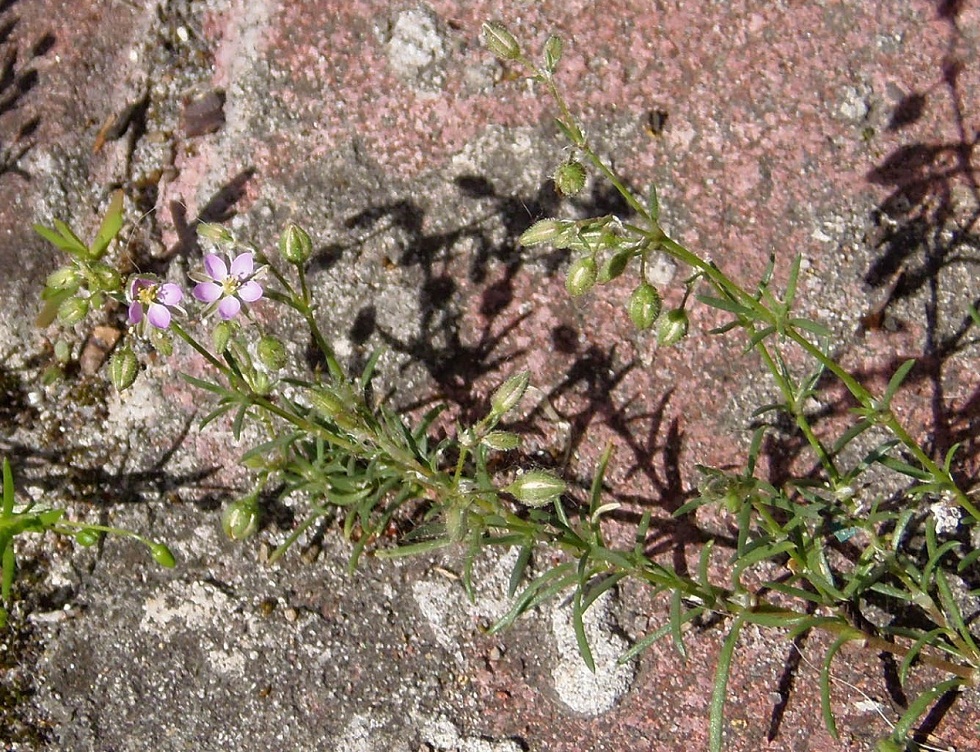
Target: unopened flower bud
65,278
672,327
500,41
570,178
644,306
510,393
123,367
240,519
272,353
536,488
295,245
72,311
581,276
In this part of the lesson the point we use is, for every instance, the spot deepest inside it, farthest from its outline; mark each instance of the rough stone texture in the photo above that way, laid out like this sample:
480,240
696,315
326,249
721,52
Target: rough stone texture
843,131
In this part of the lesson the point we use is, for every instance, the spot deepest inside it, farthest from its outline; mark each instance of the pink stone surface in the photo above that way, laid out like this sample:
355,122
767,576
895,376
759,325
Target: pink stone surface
791,128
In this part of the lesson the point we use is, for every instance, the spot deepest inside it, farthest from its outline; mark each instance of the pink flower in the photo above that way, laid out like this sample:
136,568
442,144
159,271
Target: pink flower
226,289
154,299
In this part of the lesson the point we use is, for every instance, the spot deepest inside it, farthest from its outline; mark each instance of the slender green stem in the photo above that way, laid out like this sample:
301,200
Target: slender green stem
222,368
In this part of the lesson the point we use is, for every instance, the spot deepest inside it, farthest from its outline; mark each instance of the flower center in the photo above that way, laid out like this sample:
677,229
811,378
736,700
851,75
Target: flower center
230,284
148,295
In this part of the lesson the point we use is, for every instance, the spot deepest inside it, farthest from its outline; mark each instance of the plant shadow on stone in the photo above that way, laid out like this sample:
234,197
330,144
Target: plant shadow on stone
17,80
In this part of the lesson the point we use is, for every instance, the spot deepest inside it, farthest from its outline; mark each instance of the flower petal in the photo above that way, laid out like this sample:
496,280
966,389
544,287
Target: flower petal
208,292
135,313
170,294
216,267
250,291
136,285
229,307
243,266
159,316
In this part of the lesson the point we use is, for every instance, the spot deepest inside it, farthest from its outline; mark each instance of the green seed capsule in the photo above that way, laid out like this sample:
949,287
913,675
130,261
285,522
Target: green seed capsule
644,306
272,353
581,276
510,393
500,41
543,231
123,367
65,278
72,311
570,178
240,520
162,555
536,488
502,441
221,335
672,327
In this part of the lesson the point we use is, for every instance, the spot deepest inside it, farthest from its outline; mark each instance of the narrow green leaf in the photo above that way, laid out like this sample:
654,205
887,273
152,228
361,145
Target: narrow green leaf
932,565
813,327
723,328
653,206
9,565
904,468
595,493
8,489
896,381
704,561
952,611
413,549
825,708
615,558
755,449
65,244
725,305
71,238
720,690
640,539
600,586
571,131
756,338
759,551
658,634
969,560
208,386
368,373
239,421
794,275
796,592
520,566
539,590
920,705
948,460
676,623
581,638
927,638
110,227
